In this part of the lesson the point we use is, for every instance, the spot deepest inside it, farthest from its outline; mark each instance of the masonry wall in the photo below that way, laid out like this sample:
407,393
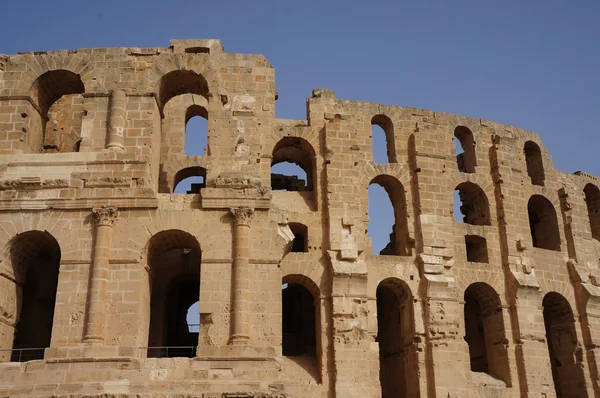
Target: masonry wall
92,145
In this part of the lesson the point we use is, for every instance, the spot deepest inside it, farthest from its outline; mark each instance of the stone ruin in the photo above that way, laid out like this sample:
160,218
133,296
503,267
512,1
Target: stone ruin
101,259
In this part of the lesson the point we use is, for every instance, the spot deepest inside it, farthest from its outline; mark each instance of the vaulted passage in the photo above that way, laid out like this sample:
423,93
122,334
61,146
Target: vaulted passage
35,258
465,149
292,165
484,331
398,366
535,165
592,200
565,360
473,204
543,223
174,258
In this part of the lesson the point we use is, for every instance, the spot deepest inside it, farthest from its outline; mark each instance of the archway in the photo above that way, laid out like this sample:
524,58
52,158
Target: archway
298,159
543,223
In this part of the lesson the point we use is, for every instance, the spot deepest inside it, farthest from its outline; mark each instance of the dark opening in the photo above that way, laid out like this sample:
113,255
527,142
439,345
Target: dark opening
174,259
464,143
383,140
196,131
292,165
567,369
535,165
300,232
35,257
190,180
543,223
286,176
298,323
387,212
484,331
398,365
197,50
592,200
476,249
473,205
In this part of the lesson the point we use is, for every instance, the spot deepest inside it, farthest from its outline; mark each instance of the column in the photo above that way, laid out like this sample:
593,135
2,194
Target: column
240,279
104,218
116,120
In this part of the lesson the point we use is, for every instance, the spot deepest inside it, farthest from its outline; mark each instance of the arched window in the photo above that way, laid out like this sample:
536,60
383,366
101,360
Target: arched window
465,149
196,131
174,258
398,365
57,95
388,221
473,205
484,331
567,369
535,166
292,165
383,140
35,258
190,180
543,223
300,232
181,82
592,200
300,322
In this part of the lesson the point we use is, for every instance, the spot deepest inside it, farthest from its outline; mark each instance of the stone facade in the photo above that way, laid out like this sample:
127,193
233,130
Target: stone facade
100,258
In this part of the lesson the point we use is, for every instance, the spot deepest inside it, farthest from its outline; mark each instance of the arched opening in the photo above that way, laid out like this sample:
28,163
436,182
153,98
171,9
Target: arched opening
535,165
474,205
57,95
189,180
193,317
567,369
543,223
464,143
35,258
398,362
383,191
174,259
292,165
592,200
181,82
484,331
383,140
300,231
196,131
476,247
300,322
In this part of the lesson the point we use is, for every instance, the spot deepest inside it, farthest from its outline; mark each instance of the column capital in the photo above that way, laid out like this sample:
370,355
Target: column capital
105,215
241,215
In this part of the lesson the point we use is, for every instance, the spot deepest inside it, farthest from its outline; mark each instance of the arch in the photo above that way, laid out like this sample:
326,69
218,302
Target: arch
561,336
398,362
57,97
467,159
535,165
300,231
386,124
200,141
592,201
474,206
301,322
299,152
191,173
543,223
174,260
399,238
181,82
35,259
484,331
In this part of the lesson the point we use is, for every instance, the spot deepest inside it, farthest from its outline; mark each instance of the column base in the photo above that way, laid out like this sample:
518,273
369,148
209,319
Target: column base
239,339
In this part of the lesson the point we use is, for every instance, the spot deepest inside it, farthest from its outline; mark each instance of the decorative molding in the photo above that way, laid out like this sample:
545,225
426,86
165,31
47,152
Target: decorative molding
241,215
105,215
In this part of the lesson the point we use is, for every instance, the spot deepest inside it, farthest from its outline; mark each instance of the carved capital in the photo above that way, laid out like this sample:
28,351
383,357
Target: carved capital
105,215
241,215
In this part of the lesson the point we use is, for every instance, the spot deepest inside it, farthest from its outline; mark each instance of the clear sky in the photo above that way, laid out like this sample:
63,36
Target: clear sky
533,64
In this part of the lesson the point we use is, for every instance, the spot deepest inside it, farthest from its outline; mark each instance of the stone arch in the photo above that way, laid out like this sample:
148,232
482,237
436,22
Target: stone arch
475,204
194,171
467,160
592,201
543,223
563,346
484,331
386,124
300,152
173,260
535,164
398,363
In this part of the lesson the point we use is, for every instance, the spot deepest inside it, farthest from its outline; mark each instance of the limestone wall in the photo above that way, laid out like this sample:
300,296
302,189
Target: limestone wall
92,144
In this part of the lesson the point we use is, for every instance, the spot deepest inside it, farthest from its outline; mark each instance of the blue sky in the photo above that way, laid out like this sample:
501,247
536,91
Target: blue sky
533,64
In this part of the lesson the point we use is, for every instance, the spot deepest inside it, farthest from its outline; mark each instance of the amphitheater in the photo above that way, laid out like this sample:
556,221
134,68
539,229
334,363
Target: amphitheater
100,259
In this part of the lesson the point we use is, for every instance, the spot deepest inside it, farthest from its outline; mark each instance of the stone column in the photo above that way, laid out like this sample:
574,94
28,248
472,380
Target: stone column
241,275
104,218
116,121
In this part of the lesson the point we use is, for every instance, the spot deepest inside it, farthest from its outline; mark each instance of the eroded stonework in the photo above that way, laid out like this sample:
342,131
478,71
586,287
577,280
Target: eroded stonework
101,260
